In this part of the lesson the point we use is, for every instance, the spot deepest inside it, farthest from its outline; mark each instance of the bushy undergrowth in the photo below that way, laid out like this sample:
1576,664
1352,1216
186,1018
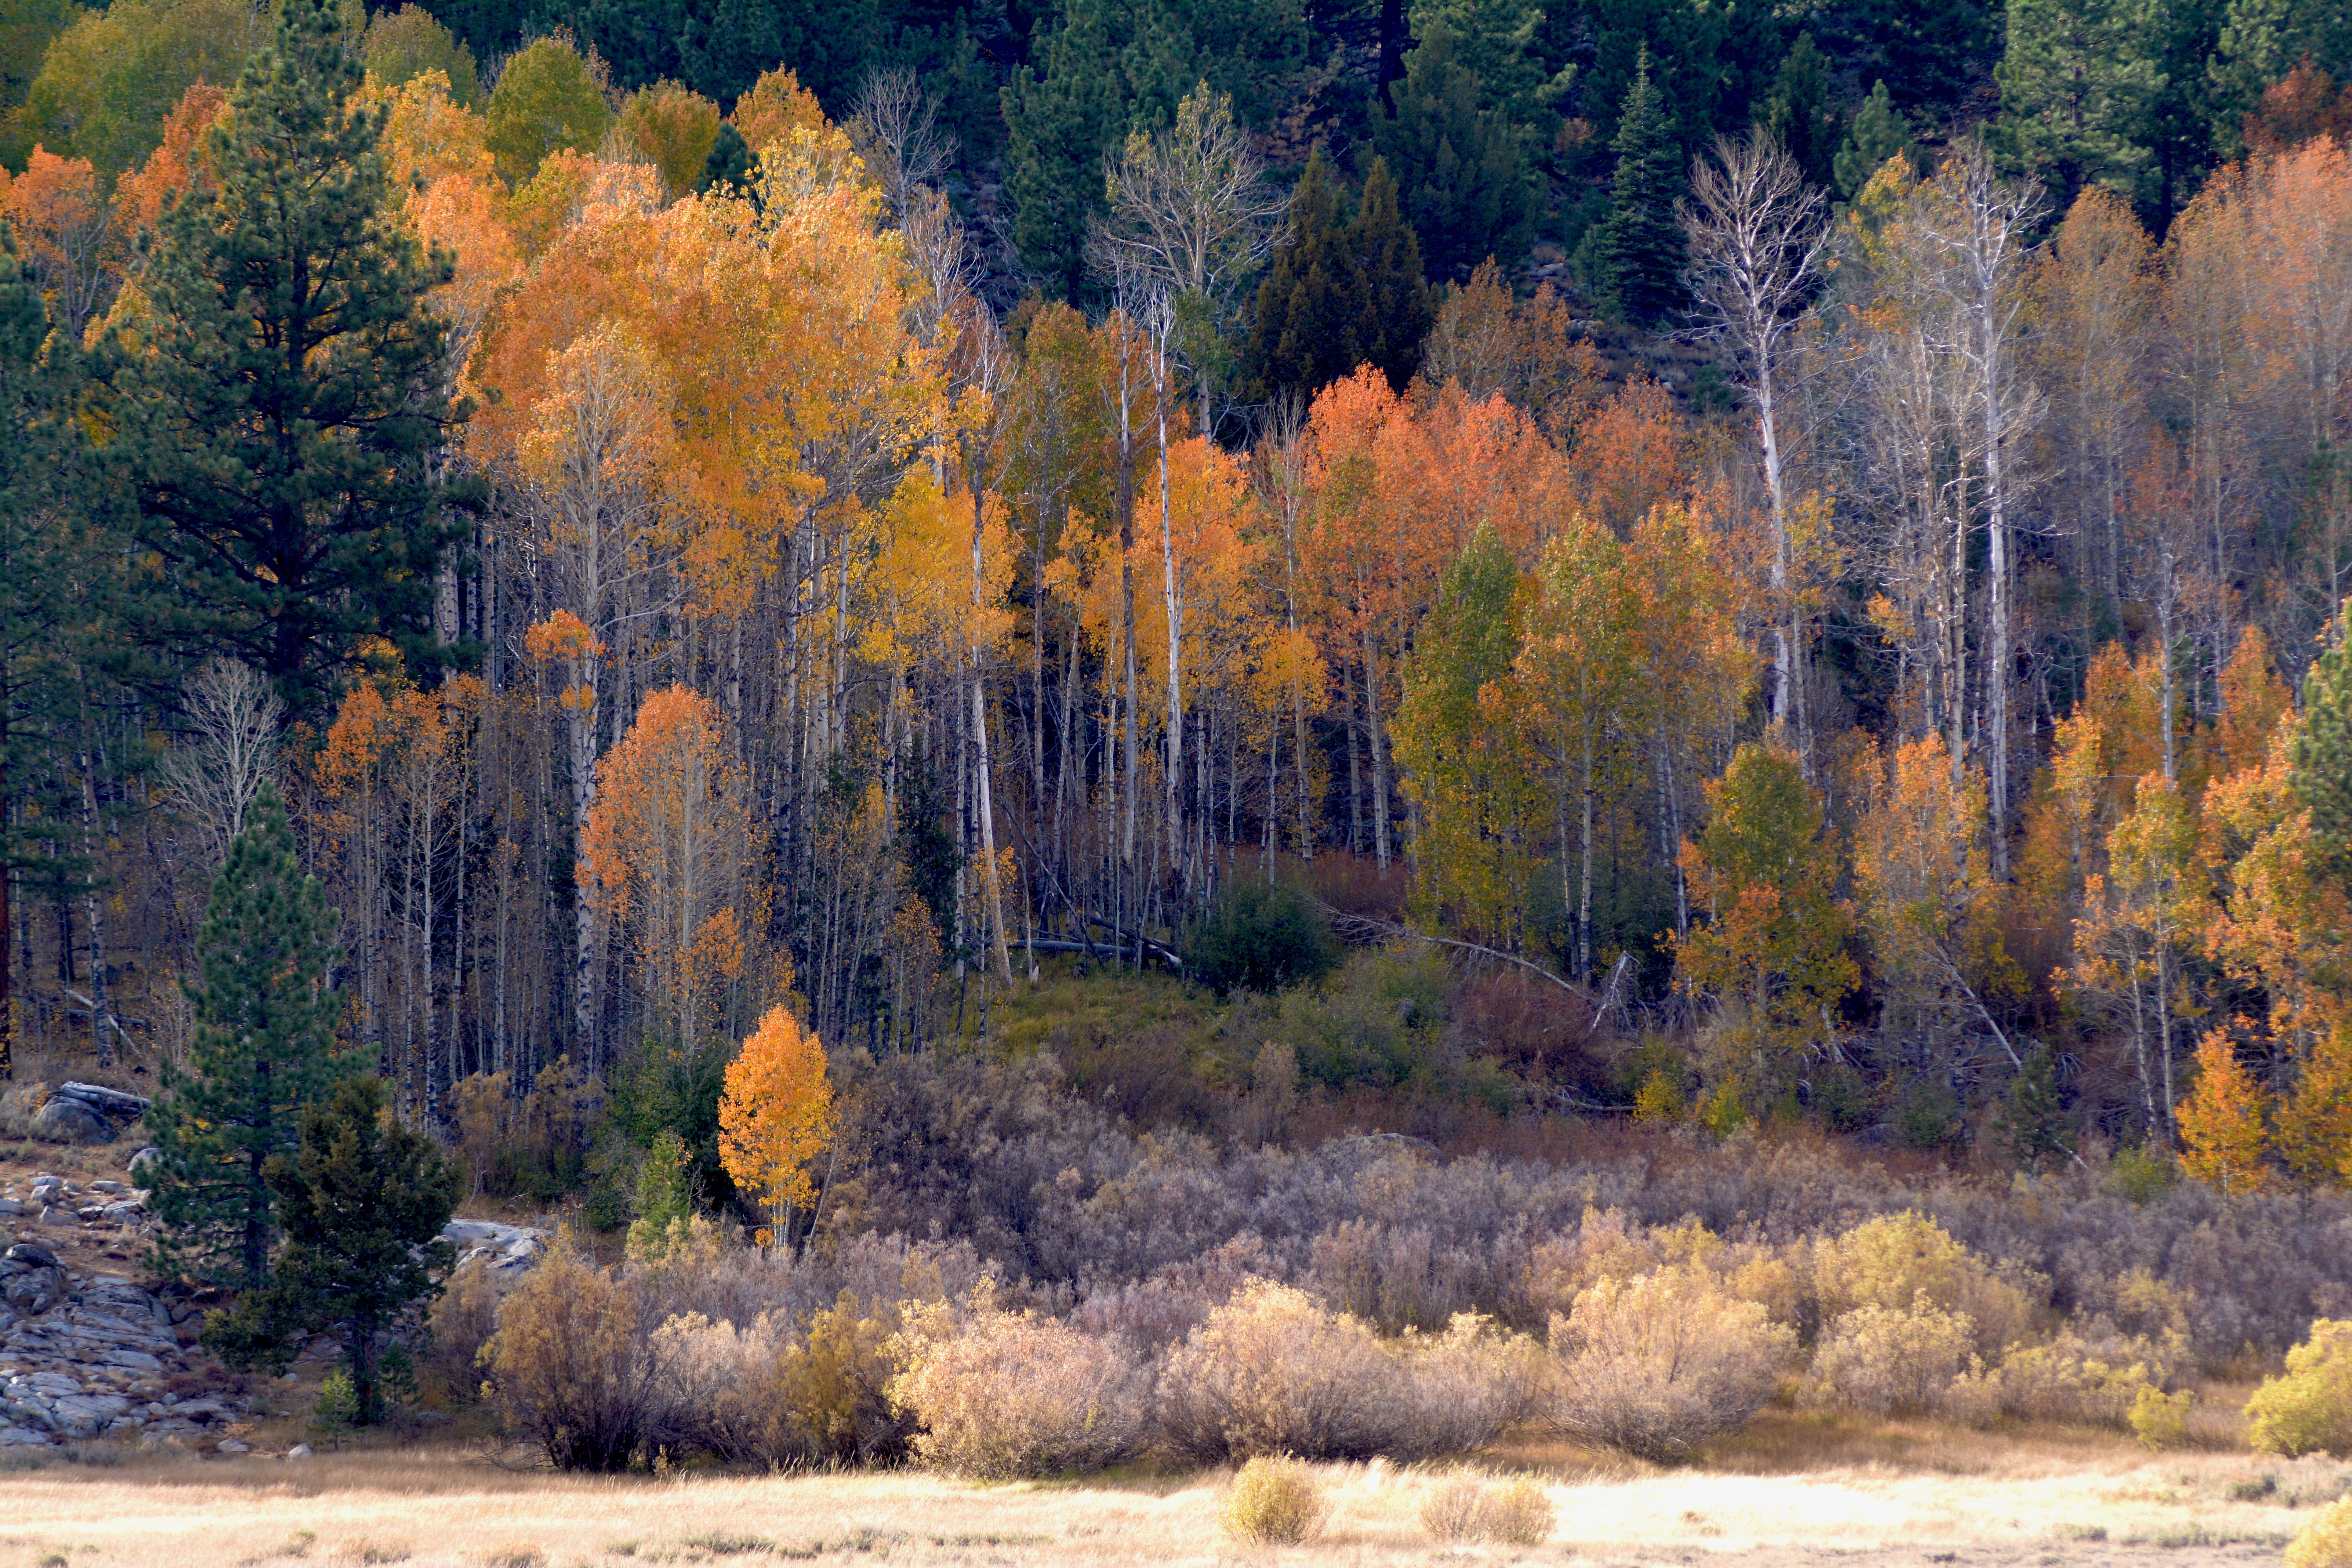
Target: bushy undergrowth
1658,1364
1012,1394
1112,1294
2309,1409
2327,1540
1055,1190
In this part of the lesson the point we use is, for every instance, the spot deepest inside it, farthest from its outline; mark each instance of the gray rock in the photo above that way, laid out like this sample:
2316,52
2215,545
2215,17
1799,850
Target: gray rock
107,1185
34,1292
149,1156
87,1415
231,1446
22,1437
66,1120
137,1361
45,1383
11,1207
299,1451
31,1252
56,1215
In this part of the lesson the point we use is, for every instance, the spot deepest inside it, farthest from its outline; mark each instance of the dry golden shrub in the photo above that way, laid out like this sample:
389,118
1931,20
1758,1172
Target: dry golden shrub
462,1317
834,1383
1453,1509
571,1367
1276,1501
2092,1379
722,1388
1455,1393
1893,1360
1017,1394
1657,1364
1889,1261
1520,1513
1273,1373
2160,1420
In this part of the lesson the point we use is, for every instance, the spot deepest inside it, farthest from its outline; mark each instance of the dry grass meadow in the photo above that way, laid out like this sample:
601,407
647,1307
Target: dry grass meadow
1795,1490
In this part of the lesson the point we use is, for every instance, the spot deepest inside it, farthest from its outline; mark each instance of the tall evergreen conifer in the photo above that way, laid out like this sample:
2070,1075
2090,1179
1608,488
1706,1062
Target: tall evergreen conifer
1459,168
1060,118
264,1048
1641,240
2320,765
276,418
1340,293
1878,133
362,1200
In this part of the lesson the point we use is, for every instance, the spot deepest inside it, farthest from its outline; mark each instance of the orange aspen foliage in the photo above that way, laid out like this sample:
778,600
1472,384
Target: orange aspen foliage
1629,456
776,106
2315,1122
1926,893
179,165
2221,1133
775,1116
2253,698
67,232
668,849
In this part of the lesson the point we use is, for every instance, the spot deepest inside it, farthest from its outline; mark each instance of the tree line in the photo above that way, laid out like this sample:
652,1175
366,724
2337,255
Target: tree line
664,588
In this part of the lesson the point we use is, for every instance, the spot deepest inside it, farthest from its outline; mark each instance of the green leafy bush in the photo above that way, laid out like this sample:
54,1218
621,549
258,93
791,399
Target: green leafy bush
1261,938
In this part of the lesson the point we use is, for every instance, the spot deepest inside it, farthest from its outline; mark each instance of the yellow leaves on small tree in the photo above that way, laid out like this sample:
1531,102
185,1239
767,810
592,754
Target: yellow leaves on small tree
2223,1136
775,1115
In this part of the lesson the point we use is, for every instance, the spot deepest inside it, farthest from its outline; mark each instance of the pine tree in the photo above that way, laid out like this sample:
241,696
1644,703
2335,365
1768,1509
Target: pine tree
1877,134
1803,112
1396,309
1298,314
1460,169
276,422
264,1048
2032,1125
44,566
729,162
362,1201
2076,85
1641,241
2321,760
1060,118
1340,293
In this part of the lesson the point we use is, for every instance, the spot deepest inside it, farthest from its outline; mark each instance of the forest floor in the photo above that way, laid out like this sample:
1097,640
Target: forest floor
1796,1490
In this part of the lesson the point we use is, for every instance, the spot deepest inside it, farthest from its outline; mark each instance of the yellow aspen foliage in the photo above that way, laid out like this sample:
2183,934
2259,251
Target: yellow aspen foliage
775,1116
2222,1137
2314,1126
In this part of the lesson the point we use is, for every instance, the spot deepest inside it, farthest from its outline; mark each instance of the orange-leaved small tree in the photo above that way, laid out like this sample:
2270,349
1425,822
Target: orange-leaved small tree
775,1114
2221,1133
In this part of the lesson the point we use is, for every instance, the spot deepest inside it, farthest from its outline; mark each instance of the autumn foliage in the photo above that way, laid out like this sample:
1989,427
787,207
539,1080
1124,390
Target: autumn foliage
776,1115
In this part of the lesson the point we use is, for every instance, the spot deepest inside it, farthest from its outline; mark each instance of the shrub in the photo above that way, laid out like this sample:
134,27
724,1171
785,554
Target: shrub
462,1317
1276,1501
834,1383
1893,1360
1465,1509
571,1368
1261,938
1657,1364
723,1387
1453,1509
2161,1421
2309,1410
2327,1540
1889,1261
1016,1395
1519,1513
1272,1372
1455,1393
2093,1376
2139,1177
